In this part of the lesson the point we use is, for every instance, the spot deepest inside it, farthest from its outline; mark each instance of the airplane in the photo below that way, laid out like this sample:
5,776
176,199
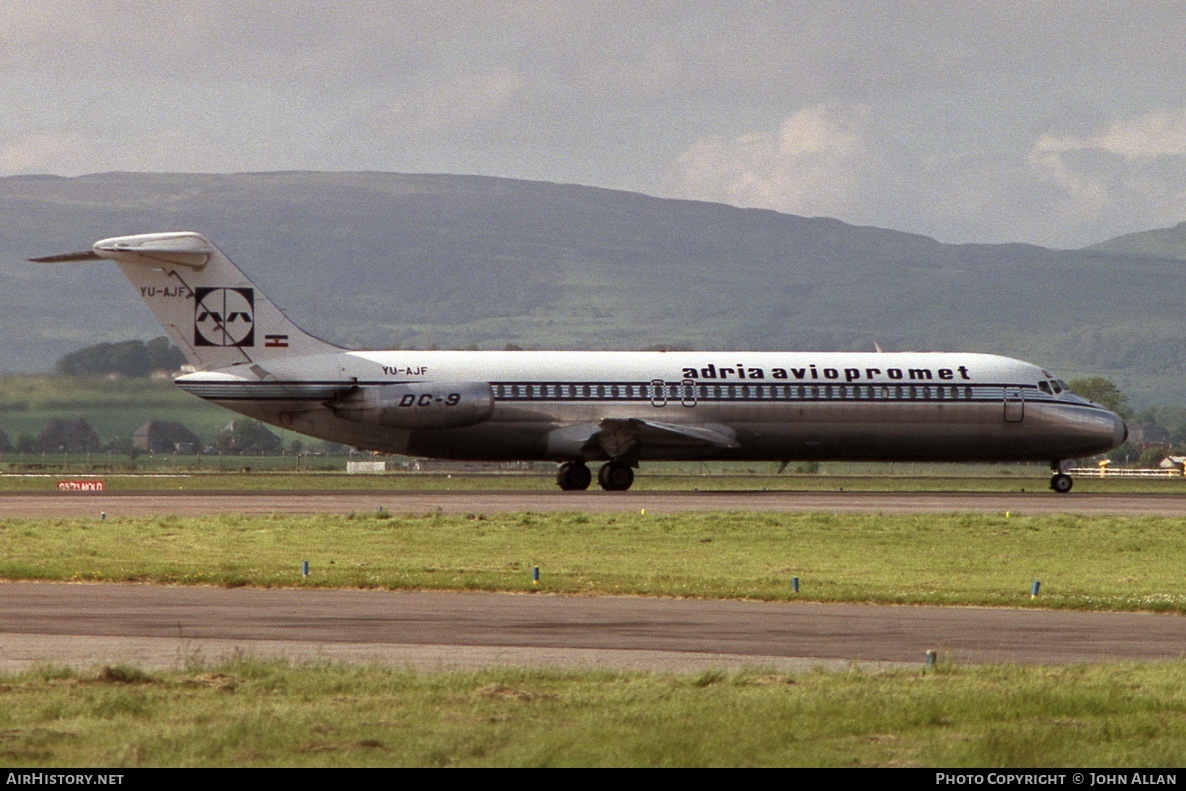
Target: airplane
618,408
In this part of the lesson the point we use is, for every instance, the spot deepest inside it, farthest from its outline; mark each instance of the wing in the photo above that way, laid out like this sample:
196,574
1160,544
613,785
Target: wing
628,439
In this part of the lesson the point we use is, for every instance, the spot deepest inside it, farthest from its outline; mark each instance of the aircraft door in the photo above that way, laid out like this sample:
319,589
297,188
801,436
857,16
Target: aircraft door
1014,404
687,393
658,393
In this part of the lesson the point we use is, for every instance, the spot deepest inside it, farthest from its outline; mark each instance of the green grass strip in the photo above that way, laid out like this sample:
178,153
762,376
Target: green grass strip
1083,562
275,714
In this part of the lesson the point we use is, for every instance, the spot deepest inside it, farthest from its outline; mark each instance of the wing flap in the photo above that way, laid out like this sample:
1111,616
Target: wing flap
631,439
628,437
655,434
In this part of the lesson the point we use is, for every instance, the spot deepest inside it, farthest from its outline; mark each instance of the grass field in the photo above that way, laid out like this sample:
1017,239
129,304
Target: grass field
1083,562
274,714
115,408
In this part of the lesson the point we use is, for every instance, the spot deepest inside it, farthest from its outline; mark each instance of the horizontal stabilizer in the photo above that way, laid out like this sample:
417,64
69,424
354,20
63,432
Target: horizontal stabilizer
183,249
65,258
153,249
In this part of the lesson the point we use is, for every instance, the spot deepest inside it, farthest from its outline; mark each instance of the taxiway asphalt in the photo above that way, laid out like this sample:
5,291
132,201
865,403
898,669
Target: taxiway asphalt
83,504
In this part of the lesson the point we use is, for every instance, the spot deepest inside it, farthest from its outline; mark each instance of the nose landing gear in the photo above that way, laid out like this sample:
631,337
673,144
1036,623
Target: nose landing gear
1060,482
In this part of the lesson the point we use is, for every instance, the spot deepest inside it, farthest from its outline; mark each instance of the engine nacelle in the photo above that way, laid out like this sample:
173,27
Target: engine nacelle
418,405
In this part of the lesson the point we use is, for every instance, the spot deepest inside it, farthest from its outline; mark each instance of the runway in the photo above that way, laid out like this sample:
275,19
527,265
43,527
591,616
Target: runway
155,626
85,504
160,626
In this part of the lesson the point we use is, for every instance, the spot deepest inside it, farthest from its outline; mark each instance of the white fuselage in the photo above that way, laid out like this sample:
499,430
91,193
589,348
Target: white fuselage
772,405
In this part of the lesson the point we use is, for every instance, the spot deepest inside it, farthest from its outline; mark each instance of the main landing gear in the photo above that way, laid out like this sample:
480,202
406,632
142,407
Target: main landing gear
1060,482
573,476
614,476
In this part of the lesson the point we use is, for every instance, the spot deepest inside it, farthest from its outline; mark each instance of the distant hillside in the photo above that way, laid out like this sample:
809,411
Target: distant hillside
391,260
1162,243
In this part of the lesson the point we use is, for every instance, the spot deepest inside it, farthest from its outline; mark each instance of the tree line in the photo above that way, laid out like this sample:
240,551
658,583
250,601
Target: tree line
76,435
126,358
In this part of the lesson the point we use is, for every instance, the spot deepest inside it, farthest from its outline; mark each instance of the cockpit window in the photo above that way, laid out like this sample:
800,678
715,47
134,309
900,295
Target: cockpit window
1045,388
1059,386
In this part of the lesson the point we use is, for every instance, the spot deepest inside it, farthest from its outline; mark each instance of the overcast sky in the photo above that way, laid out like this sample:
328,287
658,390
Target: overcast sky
1058,123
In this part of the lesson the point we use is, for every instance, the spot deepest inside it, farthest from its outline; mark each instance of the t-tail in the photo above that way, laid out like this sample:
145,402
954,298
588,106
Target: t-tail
214,314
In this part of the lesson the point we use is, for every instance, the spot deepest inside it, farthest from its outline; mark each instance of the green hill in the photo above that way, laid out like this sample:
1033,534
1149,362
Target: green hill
393,260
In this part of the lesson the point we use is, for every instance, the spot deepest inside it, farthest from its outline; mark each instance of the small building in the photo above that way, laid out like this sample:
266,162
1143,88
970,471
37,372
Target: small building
62,435
1174,463
165,436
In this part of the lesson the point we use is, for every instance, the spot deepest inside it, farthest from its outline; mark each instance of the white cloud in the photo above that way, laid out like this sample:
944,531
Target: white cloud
825,159
458,102
841,161
1132,166
1156,134
41,152
1144,137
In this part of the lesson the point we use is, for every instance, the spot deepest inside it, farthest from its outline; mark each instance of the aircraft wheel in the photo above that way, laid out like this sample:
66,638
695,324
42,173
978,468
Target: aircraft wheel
614,476
1061,482
573,476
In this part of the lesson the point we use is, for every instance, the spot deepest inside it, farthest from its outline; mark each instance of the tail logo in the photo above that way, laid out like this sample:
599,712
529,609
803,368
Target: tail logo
224,317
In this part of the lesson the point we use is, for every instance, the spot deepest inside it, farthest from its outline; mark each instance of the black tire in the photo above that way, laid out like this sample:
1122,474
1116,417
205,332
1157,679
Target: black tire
1061,482
614,476
573,476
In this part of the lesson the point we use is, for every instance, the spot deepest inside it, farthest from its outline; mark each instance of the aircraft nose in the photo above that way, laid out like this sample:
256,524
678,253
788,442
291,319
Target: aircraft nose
1121,430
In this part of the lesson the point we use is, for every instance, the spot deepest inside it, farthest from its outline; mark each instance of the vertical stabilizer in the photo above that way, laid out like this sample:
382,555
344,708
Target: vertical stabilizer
214,314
